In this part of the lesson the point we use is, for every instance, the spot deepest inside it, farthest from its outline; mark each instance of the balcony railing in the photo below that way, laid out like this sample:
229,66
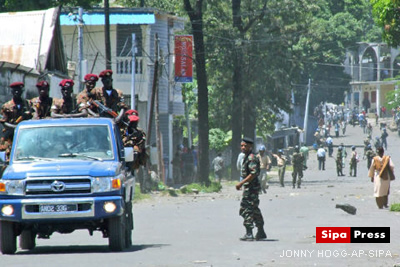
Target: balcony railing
124,65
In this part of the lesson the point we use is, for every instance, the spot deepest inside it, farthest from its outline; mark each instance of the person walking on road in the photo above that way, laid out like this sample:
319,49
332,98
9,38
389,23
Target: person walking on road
304,150
239,163
353,161
281,162
265,161
218,163
381,173
384,136
321,156
297,160
249,209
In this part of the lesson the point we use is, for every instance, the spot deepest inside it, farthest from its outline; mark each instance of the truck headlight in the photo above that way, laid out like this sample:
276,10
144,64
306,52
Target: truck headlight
12,187
105,184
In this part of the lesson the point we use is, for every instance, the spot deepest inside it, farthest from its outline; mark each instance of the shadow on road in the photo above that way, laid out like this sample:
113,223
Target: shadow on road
84,249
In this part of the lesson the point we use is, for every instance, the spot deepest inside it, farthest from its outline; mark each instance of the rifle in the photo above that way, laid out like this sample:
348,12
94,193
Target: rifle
103,109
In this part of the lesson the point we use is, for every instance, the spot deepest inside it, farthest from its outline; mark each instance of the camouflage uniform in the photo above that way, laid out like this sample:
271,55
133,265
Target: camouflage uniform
370,154
62,107
42,107
353,163
298,160
114,101
13,113
136,138
339,166
82,100
249,205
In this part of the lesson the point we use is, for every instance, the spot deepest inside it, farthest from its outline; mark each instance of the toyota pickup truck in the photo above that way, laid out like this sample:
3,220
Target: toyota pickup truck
64,175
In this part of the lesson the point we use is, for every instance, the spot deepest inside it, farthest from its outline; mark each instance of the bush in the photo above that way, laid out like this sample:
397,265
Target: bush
395,207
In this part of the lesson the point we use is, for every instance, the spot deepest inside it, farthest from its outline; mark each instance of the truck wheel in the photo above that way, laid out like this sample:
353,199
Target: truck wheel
8,239
27,240
128,225
116,233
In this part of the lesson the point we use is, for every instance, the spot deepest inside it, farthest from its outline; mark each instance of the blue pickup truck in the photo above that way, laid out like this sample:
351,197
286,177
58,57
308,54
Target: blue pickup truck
64,175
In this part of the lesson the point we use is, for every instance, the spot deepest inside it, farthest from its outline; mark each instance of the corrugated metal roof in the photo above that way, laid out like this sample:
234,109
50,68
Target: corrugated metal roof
115,18
26,37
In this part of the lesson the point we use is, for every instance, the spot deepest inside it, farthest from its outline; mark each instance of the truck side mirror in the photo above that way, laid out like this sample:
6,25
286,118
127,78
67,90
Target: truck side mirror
128,154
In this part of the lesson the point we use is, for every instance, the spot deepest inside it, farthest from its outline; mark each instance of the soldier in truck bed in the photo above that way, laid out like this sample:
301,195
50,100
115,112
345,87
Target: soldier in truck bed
135,137
15,110
83,98
43,103
66,107
109,96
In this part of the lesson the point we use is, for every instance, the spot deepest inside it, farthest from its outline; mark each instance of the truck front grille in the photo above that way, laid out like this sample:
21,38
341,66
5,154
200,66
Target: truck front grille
59,186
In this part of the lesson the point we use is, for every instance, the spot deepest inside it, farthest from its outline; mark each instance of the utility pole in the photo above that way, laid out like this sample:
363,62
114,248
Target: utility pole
153,93
80,48
160,165
306,114
107,33
133,71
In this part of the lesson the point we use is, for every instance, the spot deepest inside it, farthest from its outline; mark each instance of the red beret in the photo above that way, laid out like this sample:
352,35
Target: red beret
66,83
17,84
91,77
106,73
133,118
42,84
132,112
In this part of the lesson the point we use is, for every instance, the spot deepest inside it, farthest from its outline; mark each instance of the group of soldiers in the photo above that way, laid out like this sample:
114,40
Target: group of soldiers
93,101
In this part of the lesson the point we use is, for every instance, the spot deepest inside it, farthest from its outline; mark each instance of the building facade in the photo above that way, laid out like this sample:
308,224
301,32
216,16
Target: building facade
147,25
371,65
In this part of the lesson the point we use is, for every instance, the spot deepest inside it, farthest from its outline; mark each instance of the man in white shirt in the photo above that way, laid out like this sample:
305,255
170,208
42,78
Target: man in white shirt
321,155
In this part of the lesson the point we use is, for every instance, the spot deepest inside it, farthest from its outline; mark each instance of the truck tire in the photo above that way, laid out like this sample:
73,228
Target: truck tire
8,239
27,240
128,225
116,233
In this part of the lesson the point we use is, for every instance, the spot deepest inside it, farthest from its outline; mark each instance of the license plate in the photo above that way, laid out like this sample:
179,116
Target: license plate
57,208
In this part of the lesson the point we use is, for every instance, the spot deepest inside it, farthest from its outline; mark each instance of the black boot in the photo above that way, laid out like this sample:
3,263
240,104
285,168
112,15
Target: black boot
261,235
248,236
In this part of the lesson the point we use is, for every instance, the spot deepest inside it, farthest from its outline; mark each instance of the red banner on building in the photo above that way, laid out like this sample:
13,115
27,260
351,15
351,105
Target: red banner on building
184,58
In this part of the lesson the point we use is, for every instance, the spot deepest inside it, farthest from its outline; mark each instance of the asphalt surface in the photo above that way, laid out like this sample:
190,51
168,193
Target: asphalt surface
203,230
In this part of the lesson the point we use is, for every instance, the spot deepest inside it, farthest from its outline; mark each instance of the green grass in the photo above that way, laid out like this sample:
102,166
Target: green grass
395,207
139,195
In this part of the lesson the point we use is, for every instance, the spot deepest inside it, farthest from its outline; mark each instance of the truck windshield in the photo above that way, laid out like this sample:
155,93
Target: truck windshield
55,142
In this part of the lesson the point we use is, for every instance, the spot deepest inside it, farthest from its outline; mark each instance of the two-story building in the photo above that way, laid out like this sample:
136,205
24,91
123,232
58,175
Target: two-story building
369,65
145,24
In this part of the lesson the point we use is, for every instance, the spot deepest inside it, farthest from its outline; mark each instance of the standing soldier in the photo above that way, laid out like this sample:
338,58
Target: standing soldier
15,110
370,154
66,107
110,97
339,167
43,103
83,98
265,161
298,160
281,162
249,209
353,161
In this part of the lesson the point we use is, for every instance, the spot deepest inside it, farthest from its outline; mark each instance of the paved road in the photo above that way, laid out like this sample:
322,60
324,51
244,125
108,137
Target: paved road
203,230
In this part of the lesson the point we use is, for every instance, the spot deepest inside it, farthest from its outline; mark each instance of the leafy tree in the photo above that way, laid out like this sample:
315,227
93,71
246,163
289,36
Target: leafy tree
387,15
